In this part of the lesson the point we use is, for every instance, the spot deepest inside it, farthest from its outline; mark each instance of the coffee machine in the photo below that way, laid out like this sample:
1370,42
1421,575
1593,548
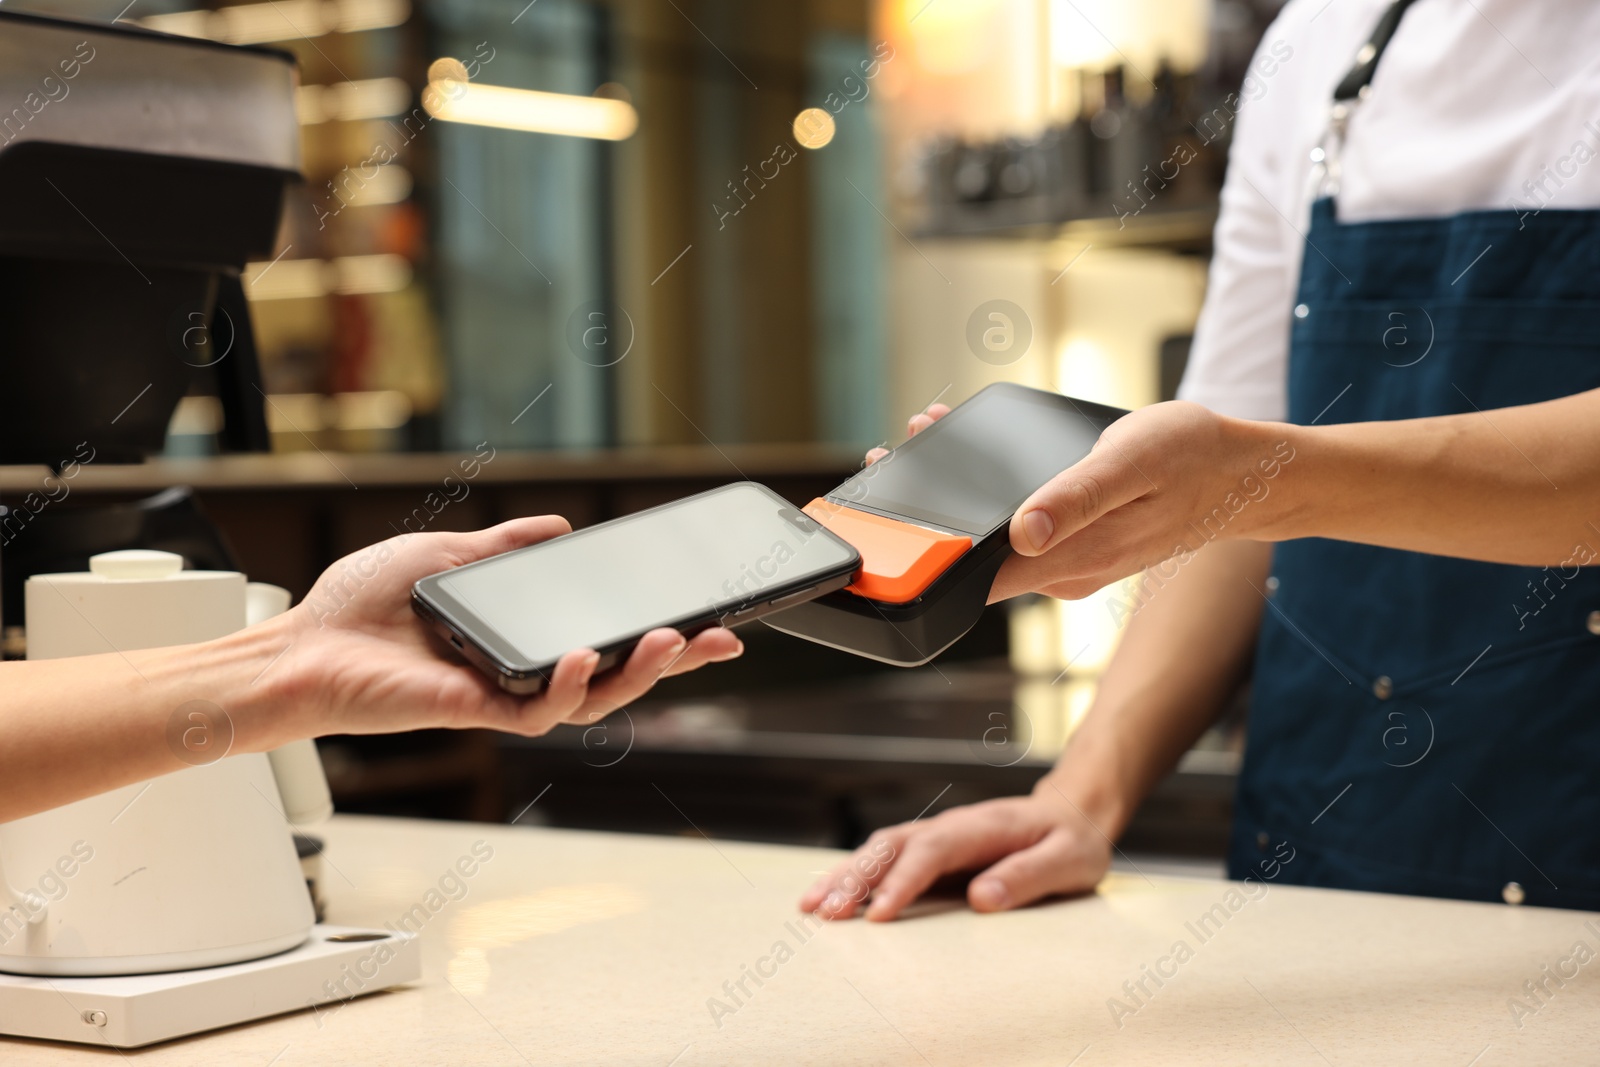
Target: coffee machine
140,172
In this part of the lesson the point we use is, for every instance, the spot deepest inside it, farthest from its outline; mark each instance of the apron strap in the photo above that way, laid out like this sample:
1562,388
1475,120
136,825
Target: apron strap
1346,97
1359,76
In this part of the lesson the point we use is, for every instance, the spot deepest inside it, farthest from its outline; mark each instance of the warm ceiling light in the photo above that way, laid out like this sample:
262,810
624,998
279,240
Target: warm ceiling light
282,20
454,100
813,128
448,70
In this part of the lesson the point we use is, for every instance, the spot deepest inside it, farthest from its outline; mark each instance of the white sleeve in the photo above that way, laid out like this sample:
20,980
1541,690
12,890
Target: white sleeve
1238,364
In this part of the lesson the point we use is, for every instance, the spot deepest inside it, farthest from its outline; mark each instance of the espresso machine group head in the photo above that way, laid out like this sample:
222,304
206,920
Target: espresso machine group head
139,173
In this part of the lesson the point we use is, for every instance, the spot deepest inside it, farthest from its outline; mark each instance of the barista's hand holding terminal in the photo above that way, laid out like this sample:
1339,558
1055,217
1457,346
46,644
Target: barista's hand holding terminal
1170,478
1384,513
351,658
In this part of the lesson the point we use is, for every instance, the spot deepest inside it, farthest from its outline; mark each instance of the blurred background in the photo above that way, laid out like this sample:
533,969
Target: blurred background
622,251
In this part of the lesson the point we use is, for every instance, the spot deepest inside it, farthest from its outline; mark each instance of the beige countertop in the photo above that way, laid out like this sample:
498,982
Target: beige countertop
583,948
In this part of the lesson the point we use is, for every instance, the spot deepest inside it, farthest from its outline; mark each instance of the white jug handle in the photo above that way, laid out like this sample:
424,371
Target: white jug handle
302,784
263,601
29,906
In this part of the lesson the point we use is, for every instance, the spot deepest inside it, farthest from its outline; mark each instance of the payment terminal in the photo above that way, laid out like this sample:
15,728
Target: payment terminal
931,519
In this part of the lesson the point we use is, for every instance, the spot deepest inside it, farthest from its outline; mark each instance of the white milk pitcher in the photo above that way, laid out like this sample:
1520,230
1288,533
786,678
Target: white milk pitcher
193,869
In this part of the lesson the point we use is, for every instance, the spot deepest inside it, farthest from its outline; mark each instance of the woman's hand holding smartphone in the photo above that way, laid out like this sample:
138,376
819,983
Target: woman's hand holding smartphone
357,660
717,558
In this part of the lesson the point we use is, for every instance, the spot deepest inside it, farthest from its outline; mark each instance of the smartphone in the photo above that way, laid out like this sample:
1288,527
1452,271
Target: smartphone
931,520
722,557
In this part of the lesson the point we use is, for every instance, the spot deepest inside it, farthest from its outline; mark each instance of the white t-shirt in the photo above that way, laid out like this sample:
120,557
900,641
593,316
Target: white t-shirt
1476,104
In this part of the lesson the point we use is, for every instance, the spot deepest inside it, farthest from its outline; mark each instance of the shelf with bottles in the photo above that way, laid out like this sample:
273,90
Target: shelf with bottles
1121,171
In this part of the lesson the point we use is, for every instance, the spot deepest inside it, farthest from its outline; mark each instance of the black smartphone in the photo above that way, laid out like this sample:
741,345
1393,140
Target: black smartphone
721,557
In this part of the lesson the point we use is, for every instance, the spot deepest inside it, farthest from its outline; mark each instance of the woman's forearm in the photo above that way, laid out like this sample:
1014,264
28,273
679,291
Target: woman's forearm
73,728
1513,485
82,726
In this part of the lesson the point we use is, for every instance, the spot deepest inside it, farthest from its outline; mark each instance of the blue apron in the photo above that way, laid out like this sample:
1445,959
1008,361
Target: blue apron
1421,724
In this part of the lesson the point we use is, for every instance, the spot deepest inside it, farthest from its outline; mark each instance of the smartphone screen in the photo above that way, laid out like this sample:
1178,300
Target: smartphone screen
972,469
698,559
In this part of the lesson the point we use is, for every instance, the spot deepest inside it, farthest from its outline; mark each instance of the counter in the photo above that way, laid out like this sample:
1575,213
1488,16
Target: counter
580,948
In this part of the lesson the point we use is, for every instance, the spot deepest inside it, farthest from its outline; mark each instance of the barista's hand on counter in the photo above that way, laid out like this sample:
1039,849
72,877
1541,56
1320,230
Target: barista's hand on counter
359,660
1025,849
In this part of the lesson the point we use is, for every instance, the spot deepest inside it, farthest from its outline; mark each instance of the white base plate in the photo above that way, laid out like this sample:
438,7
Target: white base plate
335,963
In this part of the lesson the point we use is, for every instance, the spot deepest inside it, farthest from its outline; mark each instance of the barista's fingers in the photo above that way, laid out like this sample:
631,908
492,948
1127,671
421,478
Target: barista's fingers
875,454
1113,549
1041,574
939,848
922,420
1075,568
845,889
812,898
1099,483
1058,864
839,893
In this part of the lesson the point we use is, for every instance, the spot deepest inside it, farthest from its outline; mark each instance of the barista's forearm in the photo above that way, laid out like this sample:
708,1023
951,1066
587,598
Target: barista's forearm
78,727
1514,485
1183,655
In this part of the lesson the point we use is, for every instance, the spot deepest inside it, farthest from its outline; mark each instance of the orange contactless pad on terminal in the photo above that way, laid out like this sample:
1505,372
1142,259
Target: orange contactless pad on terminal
899,560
